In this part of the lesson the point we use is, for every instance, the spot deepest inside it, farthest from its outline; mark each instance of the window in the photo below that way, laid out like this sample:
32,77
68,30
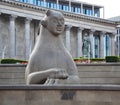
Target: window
25,1
47,4
87,10
96,12
75,8
21,0
60,7
51,4
38,2
63,6
34,2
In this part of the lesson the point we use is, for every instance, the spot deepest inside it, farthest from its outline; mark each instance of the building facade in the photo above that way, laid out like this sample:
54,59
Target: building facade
86,33
117,21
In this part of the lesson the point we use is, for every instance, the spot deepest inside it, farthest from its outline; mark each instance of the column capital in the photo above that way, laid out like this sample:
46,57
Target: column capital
80,28
114,33
102,33
68,27
92,30
13,17
28,19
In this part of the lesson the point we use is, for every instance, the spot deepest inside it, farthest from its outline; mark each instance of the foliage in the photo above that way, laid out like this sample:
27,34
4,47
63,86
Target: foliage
112,59
119,58
81,59
76,59
97,59
12,61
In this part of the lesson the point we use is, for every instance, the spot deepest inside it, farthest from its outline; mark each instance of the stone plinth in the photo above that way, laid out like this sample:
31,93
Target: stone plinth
60,95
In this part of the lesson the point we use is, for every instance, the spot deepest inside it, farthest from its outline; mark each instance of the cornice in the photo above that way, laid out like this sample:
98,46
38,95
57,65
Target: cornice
66,14
21,4
85,17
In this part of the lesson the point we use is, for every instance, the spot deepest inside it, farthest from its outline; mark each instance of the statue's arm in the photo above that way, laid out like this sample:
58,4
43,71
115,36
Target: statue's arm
37,77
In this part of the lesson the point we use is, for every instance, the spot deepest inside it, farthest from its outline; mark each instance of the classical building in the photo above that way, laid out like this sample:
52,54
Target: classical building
86,33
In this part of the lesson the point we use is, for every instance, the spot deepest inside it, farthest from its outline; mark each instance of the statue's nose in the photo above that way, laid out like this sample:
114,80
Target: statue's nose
59,23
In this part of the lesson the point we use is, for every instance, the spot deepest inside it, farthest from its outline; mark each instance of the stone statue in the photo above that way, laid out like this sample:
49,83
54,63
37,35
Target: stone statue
50,62
86,45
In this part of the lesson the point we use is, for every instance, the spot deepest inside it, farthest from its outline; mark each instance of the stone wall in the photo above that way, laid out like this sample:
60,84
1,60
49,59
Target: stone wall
99,73
60,95
12,74
88,73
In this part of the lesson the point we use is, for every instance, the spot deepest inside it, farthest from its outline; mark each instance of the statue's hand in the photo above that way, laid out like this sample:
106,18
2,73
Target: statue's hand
59,74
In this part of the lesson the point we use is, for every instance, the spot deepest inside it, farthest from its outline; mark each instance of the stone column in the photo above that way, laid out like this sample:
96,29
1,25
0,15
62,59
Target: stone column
79,42
81,8
93,10
118,41
91,41
113,44
67,39
69,5
12,36
102,44
27,37
44,3
57,2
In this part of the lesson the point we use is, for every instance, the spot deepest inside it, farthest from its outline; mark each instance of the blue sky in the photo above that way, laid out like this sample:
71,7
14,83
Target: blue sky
111,7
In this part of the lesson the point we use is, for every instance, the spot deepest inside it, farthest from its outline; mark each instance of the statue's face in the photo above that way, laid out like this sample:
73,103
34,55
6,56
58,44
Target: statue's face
55,24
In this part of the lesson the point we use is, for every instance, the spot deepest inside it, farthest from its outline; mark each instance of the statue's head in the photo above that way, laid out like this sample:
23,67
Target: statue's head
54,22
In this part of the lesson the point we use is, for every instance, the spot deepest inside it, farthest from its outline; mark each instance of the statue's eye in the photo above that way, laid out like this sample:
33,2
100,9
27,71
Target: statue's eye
62,21
54,20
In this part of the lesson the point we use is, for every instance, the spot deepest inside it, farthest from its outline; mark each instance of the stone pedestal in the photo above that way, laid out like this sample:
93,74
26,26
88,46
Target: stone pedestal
60,95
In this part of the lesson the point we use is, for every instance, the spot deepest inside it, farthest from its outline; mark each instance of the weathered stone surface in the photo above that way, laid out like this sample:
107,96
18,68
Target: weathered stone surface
50,62
46,95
